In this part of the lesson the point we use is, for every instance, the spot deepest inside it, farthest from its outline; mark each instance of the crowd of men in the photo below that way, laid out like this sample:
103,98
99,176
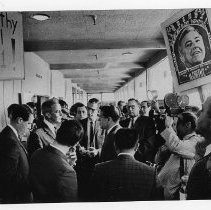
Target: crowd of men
128,152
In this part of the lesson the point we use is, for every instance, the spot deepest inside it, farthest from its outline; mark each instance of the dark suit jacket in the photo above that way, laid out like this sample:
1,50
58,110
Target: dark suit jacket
14,169
108,151
123,179
52,178
40,138
98,135
199,182
147,138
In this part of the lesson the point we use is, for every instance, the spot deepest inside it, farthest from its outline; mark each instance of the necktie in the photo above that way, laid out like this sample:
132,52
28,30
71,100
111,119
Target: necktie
91,134
132,122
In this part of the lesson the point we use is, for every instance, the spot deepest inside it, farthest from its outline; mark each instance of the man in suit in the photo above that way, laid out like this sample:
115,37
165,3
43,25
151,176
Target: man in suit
124,178
146,130
45,134
14,166
109,121
90,147
53,178
198,186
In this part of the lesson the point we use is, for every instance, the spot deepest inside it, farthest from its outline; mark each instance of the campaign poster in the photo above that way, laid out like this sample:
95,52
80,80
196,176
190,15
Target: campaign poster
187,37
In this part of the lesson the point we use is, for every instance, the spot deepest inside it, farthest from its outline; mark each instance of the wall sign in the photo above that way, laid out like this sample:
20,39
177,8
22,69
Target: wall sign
11,46
187,36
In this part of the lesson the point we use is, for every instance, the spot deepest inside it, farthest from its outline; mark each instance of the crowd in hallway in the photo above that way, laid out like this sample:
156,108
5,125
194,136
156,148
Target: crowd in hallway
129,151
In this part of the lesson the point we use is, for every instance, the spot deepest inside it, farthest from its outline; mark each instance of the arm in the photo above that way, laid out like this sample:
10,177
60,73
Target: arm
34,143
8,168
184,148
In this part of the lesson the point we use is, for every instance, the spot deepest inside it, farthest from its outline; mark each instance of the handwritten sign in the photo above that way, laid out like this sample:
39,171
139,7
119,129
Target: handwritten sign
188,37
11,46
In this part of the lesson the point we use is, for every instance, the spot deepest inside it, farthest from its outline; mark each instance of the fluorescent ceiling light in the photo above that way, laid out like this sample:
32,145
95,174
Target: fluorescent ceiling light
41,17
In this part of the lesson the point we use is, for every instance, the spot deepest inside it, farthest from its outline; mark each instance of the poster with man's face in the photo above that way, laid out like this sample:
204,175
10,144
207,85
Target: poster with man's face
187,36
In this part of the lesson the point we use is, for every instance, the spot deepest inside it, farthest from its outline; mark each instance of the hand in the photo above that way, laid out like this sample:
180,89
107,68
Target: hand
92,152
168,121
72,157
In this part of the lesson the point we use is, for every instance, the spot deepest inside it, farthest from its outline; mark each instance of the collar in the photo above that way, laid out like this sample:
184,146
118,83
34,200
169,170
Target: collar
125,153
50,125
14,130
59,148
208,150
111,128
189,136
135,118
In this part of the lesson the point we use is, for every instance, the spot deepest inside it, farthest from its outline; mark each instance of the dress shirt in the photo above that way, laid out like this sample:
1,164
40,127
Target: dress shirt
208,150
50,125
134,120
15,131
89,128
125,153
111,128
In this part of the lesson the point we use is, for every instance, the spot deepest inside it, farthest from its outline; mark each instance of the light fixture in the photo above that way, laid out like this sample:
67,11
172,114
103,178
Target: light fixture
40,17
127,53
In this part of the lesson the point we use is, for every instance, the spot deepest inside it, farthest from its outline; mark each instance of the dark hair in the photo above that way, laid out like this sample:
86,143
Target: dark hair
74,108
188,117
126,138
11,108
46,106
32,105
69,133
185,31
148,103
93,100
133,99
119,103
22,111
63,103
110,111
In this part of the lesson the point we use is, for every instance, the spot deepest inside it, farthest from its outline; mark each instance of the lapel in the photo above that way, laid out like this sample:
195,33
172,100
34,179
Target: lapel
48,131
15,138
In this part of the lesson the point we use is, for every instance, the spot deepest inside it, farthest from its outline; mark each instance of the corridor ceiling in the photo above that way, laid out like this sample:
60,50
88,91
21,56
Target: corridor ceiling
98,50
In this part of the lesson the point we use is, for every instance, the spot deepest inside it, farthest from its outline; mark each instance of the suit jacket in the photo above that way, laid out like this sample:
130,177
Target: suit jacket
123,179
199,182
108,151
40,138
52,177
14,169
147,138
98,135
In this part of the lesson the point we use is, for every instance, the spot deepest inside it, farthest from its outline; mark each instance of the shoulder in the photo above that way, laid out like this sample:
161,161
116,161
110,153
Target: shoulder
125,122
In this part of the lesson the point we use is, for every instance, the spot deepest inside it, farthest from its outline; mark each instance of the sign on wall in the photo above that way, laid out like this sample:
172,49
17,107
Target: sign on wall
187,37
11,46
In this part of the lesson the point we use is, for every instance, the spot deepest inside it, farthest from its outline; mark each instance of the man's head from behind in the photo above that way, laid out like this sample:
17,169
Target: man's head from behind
191,47
21,119
69,133
126,140
51,110
204,120
186,123
92,109
109,115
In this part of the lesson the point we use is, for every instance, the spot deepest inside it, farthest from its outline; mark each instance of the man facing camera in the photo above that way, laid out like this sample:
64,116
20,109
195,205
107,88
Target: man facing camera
124,178
191,47
53,178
